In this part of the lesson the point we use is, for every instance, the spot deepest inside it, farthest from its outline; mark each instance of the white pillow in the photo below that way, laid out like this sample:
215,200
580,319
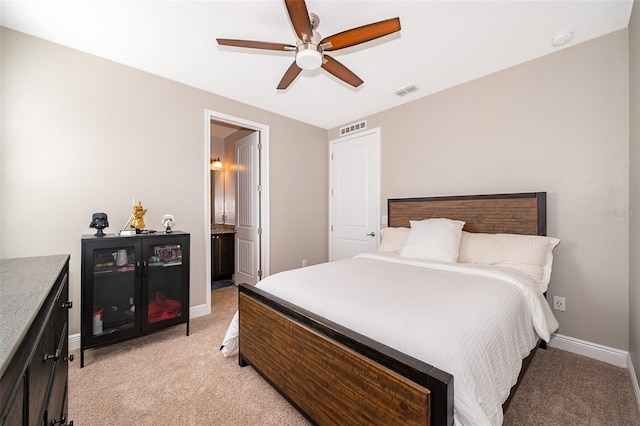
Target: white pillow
531,254
392,239
433,239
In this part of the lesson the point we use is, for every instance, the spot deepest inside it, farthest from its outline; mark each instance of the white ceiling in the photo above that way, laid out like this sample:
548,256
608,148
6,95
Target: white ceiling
441,44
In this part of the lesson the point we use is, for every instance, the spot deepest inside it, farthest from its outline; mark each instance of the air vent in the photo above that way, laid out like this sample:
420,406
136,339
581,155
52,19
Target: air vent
354,127
406,90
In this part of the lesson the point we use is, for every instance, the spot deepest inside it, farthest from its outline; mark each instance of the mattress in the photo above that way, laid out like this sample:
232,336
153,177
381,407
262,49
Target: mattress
474,322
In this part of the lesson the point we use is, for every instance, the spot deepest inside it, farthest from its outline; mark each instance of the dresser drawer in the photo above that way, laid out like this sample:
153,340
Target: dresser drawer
56,412
15,413
39,374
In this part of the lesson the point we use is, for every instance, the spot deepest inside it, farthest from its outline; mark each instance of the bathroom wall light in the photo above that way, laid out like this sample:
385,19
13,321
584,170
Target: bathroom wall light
215,164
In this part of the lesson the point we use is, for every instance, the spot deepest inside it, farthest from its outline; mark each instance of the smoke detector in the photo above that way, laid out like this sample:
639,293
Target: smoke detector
562,38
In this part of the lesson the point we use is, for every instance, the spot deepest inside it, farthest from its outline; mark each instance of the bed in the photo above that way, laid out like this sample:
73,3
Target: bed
375,371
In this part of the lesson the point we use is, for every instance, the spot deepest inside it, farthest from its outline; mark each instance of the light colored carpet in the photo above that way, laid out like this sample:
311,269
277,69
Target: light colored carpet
562,388
169,378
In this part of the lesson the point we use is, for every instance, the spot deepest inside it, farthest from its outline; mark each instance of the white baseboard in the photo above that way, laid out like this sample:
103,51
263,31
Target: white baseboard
194,312
607,354
634,380
199,311
74,341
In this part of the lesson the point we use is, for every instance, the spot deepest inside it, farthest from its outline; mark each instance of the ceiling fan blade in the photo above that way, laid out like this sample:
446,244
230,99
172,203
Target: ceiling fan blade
289,76
300,19
255,44
361,34
340,71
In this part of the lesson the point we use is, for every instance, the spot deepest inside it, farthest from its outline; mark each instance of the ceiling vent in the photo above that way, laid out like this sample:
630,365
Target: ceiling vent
354,127
406,90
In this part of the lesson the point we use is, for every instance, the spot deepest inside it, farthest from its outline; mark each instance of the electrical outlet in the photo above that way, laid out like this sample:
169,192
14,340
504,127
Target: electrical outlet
304,262
559,303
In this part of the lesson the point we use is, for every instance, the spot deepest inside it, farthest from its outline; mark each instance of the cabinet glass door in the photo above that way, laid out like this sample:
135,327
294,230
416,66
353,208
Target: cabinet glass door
114,291
166,286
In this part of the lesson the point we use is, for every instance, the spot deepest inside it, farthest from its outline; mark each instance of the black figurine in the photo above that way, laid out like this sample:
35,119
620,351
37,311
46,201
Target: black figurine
99,221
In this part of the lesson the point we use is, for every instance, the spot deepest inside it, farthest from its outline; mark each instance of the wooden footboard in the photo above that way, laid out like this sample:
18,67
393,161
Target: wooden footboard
334,375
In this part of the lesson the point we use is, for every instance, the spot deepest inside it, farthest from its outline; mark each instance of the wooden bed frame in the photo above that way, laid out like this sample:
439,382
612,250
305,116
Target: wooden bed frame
333,375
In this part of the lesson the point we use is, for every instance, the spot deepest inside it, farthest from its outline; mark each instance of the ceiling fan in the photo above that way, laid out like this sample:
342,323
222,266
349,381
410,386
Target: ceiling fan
311,46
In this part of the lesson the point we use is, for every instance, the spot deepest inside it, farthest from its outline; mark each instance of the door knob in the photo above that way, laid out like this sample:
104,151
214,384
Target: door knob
371,234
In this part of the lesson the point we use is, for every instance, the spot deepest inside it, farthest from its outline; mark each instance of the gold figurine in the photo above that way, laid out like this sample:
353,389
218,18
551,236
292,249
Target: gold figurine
138,212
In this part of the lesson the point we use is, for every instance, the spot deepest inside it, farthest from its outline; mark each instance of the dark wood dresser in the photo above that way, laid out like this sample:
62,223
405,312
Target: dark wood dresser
34,335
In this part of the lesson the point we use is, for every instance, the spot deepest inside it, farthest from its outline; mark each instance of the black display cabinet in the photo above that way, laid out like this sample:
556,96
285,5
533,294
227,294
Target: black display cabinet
132,286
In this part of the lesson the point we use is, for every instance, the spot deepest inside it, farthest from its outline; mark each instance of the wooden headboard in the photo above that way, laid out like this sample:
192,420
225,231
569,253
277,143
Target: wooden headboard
520,213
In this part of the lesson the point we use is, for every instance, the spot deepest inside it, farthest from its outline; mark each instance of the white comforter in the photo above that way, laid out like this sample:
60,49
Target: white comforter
474,322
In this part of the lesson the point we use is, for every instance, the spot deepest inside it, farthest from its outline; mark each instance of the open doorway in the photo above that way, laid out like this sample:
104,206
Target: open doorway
224,169
236,198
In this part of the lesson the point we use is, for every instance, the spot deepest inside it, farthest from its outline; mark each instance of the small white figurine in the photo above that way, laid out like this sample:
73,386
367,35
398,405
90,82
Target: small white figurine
168,221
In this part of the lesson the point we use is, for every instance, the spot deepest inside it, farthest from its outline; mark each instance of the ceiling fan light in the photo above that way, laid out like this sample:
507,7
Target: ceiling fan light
308,57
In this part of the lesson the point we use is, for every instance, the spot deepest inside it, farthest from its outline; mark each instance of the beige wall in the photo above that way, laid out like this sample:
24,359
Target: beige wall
81,134
216,184
557,124
634,187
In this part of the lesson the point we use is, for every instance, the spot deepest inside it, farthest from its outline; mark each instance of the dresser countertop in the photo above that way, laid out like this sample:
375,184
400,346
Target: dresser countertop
25,284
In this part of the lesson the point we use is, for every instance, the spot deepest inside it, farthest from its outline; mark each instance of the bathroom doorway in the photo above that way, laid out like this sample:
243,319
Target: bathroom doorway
236,178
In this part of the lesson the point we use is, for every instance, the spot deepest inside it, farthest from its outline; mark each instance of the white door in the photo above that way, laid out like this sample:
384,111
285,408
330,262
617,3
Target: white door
247,242
355,194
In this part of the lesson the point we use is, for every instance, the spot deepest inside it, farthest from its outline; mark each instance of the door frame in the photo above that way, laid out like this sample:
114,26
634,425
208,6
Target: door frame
263,178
